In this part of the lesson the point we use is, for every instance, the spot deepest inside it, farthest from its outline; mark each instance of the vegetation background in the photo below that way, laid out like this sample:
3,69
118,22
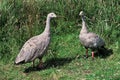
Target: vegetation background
22,19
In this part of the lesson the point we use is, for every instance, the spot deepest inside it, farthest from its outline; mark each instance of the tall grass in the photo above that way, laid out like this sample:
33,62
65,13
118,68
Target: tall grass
22,19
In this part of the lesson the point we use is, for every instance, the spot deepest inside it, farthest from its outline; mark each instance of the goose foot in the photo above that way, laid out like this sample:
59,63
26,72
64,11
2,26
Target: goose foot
40,65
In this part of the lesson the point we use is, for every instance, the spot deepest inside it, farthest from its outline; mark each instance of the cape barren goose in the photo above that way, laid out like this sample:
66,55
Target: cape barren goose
89,39
36,46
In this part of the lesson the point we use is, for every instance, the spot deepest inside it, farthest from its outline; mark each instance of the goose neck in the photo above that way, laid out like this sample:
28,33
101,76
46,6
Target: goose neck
47,27
84,28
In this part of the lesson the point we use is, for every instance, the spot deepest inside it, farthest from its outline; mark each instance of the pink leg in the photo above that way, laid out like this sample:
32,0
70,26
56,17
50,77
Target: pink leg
92,55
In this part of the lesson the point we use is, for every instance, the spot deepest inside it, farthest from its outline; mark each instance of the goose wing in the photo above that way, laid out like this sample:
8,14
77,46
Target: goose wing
91,40
32,49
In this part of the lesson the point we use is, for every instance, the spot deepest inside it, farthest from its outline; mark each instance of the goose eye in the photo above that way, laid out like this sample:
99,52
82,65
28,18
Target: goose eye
52,14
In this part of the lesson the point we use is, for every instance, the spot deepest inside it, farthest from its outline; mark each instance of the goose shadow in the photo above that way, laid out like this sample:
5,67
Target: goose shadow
52,62
104,53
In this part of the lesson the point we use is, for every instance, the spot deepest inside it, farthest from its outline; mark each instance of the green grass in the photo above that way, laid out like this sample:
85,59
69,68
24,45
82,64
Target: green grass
21,20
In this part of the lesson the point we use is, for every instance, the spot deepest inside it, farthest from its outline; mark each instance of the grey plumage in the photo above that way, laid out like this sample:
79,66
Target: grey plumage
89,39
36,46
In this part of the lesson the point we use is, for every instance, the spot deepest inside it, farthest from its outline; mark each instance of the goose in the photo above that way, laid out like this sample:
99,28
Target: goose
89,39
36,46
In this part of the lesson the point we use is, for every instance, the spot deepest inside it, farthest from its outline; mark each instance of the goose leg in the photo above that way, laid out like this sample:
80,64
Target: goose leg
33,63
92,55
40,65
86,53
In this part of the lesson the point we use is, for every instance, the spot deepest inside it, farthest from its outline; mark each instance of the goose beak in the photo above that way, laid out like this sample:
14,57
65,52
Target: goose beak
55,16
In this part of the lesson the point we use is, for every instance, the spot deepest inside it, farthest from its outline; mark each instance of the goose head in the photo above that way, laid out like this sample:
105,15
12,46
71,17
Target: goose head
52,15
81,13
